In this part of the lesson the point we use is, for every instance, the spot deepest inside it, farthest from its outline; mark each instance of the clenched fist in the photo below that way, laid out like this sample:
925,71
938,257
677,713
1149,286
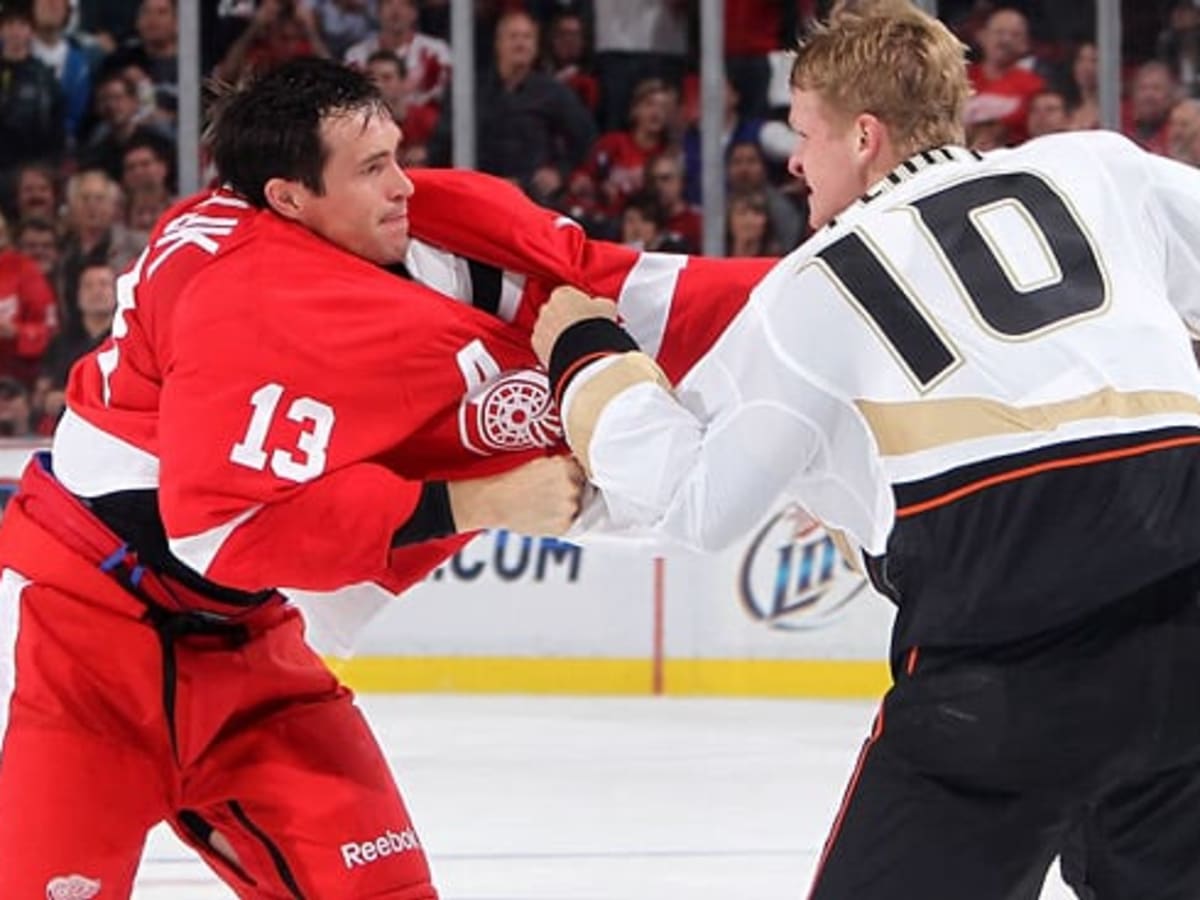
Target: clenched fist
566,306
540,497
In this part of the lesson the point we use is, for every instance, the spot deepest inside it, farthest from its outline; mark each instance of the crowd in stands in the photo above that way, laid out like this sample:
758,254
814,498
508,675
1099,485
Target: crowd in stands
591,106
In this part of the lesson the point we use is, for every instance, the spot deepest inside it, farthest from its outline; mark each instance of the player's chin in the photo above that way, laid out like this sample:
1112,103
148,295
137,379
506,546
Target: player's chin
392,249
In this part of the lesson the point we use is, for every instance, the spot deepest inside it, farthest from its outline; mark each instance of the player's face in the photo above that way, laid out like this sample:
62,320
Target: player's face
364,207
827,156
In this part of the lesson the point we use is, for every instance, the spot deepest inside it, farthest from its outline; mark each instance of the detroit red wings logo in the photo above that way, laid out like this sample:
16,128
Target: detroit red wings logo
511,411
72,887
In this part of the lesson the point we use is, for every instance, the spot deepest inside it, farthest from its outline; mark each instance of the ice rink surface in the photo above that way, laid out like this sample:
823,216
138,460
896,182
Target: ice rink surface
551,798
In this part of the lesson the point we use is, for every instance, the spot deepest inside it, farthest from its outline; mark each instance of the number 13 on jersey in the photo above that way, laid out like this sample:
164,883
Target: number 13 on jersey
309,458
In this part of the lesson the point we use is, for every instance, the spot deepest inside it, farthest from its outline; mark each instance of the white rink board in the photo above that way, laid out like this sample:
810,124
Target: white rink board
775,595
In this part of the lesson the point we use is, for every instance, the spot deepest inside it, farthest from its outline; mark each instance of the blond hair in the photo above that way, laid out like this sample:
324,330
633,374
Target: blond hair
889,59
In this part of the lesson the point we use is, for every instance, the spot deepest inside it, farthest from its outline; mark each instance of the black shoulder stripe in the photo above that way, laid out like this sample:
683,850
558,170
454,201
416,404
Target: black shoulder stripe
485,286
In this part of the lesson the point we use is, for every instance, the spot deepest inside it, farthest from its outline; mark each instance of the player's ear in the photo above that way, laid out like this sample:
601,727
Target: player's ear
285,197
872,142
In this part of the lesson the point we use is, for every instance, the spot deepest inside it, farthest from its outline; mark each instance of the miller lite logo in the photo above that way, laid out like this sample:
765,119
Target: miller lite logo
793,578
511,411
72,887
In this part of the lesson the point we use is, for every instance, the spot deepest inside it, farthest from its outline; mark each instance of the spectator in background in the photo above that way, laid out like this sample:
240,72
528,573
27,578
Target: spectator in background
37,239
566,56
636,40
748,227
617,161
738,130
746,173
1178,45
1183,132
97,302
32,120
664,177
643,226
37,192
343,23
146,168
1084,90
1003,43
118,127
95,236
1151,97
1047,114
530,128
147,182
417,122
70,59
16,411
27,311
155,51
426,58
280,30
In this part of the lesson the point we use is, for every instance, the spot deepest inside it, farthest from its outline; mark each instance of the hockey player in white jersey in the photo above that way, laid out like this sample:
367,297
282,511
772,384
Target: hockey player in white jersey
978,369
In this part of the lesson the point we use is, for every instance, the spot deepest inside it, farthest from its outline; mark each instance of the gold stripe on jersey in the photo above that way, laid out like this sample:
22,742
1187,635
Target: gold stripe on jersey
596,391
913,426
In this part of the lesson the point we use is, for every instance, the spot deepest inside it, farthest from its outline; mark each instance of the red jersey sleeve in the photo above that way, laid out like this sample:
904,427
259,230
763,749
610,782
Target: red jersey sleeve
674,305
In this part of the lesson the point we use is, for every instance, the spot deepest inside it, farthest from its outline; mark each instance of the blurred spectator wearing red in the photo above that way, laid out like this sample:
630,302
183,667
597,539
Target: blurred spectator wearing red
426,58
643,226
1151,96
566,56
617,161
999,78
664,177
27,311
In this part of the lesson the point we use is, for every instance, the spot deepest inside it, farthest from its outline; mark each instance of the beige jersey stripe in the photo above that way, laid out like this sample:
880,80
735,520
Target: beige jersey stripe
913,426
590,398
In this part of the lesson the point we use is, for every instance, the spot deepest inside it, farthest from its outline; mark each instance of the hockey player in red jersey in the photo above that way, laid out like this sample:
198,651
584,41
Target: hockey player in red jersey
274,411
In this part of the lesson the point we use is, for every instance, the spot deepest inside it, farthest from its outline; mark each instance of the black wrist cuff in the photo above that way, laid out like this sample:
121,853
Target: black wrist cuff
581,343
431,519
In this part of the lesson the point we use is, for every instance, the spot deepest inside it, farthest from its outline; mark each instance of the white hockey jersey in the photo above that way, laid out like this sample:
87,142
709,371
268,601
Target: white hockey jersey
980,372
